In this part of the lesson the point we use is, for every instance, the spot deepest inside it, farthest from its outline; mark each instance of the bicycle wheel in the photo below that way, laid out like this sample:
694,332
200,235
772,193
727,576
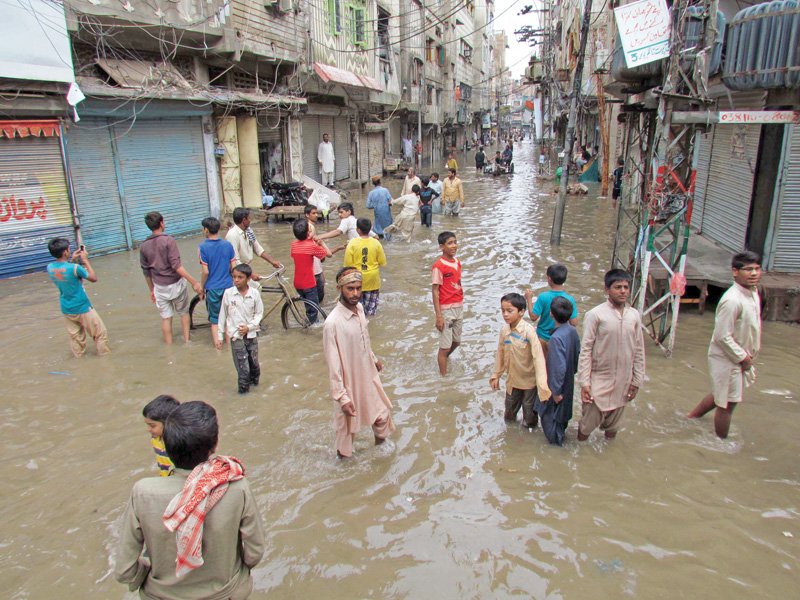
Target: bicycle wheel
198,314
294,313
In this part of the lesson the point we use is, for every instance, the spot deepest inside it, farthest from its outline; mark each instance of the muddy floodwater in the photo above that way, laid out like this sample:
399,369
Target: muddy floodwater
457,504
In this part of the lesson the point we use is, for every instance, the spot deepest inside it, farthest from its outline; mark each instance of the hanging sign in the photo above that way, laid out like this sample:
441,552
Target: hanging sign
644,28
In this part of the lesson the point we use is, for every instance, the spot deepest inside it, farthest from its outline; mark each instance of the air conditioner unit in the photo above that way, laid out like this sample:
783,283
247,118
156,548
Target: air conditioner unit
283,6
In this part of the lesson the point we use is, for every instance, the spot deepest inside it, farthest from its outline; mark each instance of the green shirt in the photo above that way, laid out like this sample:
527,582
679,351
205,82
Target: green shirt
227,558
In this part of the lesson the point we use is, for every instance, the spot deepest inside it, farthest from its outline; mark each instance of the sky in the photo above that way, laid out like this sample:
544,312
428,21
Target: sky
508,19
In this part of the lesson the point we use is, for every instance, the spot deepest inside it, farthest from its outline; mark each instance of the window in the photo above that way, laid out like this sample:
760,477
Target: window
333,16
430,95
429,53
358,28
441,56
416,71
465,51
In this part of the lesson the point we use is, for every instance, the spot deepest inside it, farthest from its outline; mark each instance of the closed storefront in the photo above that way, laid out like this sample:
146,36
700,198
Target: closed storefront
371,159
726,195
34,201
338,130
785,255
122,171
703,150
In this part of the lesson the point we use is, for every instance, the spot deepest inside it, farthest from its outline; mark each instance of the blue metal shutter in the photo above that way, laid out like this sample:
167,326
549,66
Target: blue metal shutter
34,203
94,179
162,165
786,253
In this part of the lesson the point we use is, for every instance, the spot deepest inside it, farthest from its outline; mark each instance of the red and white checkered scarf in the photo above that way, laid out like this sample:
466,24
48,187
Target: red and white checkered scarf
205,486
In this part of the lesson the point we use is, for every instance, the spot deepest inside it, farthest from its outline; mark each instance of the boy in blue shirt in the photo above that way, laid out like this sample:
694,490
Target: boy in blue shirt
562,364
68,277
217,258
540,311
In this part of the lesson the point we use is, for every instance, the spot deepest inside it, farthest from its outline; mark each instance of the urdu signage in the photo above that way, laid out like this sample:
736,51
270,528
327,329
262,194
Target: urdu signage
644,28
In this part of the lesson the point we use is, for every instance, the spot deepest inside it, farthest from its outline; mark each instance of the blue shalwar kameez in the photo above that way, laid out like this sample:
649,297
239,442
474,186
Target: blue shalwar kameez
562,364
378,200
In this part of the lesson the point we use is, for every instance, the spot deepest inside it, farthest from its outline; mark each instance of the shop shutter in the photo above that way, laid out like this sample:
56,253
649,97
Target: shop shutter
35,204
376,150
162,164
730,184
340,127
703,146
786,253
94,179
269,130
311,140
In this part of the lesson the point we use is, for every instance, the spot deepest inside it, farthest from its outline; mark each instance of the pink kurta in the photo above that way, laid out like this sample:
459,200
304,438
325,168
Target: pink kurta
612,354
354,377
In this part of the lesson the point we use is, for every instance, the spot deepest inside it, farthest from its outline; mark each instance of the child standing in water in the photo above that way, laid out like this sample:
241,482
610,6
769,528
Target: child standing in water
562,364
448,298
520,356
80,316
240,318
155,413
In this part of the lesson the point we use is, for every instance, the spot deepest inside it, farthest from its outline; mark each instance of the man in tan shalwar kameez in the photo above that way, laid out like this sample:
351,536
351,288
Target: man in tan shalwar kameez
353,369
734,344
611,363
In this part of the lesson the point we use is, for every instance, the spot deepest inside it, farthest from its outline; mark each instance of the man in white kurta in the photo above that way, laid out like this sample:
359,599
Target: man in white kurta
326,160
734,344
353,369
410,181
611,363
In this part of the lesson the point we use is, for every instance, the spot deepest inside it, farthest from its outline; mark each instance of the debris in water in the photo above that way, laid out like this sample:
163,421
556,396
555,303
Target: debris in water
32,465
788,534
67,373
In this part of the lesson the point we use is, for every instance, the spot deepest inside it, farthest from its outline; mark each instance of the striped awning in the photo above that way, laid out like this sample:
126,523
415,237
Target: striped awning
330,73
23,129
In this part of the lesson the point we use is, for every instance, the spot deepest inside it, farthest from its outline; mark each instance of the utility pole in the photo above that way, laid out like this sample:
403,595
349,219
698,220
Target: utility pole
558,218
421,88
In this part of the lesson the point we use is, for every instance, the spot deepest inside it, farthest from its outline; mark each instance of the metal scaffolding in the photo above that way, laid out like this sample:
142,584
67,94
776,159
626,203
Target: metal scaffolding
654,217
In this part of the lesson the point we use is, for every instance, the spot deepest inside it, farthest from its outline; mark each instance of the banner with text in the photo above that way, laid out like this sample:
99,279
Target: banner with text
644,31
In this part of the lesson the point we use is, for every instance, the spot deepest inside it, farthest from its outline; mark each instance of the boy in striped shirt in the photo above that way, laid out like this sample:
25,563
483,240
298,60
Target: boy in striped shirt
303,250
155,413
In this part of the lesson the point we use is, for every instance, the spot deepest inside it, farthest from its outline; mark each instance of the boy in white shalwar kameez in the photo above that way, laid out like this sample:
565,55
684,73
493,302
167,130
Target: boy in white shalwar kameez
404,222
734,344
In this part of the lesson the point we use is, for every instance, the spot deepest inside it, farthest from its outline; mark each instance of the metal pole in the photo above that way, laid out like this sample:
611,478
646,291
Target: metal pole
558,218
421,88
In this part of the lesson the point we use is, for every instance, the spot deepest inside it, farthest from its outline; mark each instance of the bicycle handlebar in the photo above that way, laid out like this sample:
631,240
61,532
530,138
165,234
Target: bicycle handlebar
275,273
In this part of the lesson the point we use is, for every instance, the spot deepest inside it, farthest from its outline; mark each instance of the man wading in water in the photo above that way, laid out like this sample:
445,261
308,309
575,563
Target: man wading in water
353,368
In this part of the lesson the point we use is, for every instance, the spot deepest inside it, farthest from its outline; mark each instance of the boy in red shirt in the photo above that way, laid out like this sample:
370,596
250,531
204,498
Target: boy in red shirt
448,298
303,251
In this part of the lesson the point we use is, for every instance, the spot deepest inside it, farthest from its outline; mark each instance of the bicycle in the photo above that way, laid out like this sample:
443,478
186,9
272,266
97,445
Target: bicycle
294,312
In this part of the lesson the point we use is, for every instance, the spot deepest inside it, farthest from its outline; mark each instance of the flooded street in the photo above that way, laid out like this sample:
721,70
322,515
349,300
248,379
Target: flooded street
457,504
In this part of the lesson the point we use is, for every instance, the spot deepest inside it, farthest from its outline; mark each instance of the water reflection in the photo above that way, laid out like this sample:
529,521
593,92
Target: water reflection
458,504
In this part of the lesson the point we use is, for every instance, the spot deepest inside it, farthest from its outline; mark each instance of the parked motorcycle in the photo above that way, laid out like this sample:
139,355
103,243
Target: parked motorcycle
293,193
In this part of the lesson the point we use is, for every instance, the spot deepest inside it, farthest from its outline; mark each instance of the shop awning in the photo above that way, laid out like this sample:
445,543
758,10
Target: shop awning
23,129
329,73
98,89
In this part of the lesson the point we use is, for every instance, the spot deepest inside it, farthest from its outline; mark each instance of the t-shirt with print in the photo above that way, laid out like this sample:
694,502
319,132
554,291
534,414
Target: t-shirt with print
68,279
541,308
217,255
303,253
447,275
426,196
366,254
